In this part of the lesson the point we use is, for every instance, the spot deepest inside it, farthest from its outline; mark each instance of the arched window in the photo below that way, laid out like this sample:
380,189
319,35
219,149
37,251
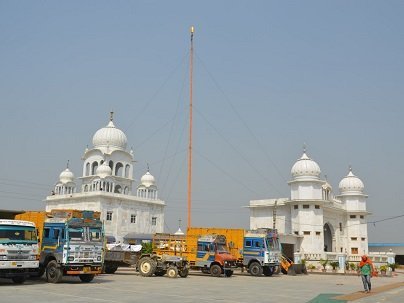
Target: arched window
94,167
87,173
111,165
118,189
127,170
85,188
126,190
118,169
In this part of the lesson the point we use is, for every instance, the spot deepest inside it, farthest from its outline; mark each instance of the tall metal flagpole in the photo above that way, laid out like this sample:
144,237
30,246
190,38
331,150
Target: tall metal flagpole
190,129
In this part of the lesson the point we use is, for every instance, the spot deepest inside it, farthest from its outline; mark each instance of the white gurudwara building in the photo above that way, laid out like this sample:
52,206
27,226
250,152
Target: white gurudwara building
107,186
314,222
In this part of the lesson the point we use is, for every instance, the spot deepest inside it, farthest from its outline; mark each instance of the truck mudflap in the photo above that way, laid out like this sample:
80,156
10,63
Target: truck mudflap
83,270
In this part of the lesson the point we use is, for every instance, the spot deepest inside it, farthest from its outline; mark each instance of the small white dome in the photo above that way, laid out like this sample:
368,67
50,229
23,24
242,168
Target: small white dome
147,180
103,170
110,136
351,184
179,232
305,167
66,176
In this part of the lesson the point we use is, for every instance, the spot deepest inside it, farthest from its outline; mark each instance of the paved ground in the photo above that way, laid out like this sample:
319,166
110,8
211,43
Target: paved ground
128,286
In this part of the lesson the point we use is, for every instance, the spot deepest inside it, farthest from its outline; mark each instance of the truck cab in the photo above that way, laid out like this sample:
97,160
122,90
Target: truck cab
213,255
261,251
18,250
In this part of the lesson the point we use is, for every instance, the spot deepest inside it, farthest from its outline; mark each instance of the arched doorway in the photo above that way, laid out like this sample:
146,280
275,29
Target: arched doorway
327,237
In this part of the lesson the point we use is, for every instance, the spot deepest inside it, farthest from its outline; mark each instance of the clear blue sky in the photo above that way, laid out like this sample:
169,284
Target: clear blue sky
269,77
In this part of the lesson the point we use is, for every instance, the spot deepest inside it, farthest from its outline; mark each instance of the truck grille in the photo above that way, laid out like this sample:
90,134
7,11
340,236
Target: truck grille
18,255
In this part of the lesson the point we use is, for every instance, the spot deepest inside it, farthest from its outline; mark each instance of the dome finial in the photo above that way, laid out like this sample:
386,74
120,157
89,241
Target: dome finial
350,168
111,116
304,147
148,168
67,165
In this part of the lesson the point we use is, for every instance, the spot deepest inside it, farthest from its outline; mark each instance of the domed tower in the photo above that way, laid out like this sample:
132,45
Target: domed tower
108,166
306,183
66,184
147,188
353,200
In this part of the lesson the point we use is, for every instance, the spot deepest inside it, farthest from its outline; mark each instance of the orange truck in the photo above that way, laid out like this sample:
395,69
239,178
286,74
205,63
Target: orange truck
70,242
258,251
207,252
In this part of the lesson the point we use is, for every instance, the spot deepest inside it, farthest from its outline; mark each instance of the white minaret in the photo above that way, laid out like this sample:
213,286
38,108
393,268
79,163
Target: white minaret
353,200
147,188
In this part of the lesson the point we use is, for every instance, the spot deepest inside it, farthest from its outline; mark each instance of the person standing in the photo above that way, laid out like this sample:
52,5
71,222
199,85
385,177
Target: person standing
366,270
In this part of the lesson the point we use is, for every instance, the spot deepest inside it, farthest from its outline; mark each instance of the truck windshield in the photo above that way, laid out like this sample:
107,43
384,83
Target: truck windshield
221,248
273,244
95,234
17,234
76,234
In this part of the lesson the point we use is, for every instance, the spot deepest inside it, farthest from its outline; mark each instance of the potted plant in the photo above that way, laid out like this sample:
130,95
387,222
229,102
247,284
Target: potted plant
352,267
334,265
383,269
393,266
311,267
324,264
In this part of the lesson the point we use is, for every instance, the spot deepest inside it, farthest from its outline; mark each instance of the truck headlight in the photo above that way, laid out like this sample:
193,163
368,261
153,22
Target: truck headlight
3,257
71,258
99,258
32,257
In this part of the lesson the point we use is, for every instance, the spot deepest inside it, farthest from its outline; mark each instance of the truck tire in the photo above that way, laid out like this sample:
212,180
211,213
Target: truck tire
172,272
215,270
147,267
54,273
268,271
228,273
255,269
19,279
86,278
110,269
183,272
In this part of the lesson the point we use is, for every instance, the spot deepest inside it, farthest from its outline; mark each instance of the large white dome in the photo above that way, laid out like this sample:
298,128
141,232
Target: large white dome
305,167
148,180
351,184
110,136
66,176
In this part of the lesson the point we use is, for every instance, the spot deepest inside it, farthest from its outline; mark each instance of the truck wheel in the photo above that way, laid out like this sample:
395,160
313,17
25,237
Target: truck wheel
110,269
228,273
53,272
18,279
215,270
41,271
268,271
172,272
184,272
86,278
255,269
147,267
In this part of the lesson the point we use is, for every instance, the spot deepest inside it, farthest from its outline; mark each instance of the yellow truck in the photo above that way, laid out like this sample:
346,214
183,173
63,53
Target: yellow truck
257,251
204,251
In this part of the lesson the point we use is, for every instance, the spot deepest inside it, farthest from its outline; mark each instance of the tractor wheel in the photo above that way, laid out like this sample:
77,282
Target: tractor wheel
54,273
215,270
172,272
147,267
255,269
183,272
86,278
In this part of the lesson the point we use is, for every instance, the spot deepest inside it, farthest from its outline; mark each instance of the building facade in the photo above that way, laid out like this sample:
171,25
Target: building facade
313,221
107,186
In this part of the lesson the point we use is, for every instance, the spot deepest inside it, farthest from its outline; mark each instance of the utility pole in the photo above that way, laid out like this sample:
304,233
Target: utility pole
190,128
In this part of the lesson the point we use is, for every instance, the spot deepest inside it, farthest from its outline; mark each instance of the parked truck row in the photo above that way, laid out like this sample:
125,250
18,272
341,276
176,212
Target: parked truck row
72,243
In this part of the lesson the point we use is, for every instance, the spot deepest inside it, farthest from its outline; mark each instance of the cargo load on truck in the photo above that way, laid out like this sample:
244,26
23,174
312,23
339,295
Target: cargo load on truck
206,252
18,250
71,243
258,251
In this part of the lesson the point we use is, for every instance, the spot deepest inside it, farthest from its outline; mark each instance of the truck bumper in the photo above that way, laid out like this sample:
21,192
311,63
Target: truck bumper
19,265
76,269
16,272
